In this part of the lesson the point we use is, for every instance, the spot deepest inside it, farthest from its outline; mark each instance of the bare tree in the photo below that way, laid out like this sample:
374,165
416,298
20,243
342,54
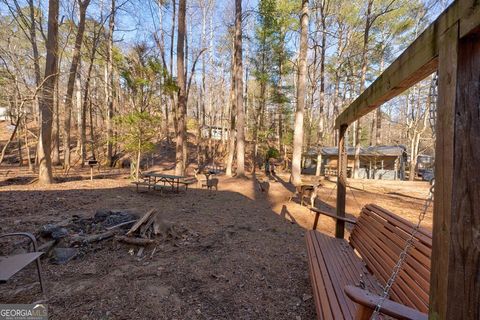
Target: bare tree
182,96
109,85
71,81
302,77
46,98
233,102
239,90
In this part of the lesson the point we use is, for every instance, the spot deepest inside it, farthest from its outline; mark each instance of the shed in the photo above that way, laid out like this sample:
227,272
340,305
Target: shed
376,162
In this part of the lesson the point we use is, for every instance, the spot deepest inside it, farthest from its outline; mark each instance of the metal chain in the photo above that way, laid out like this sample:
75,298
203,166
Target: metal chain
331,192
355,198
404,254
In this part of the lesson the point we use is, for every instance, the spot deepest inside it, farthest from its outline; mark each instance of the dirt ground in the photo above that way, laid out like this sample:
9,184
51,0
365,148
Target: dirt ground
243,256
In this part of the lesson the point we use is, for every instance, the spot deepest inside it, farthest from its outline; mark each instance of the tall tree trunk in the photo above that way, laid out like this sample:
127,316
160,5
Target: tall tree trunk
46,98
172,38
378,113
296,178
378,130
233,111
71,81
33,40
414,144
86,101
56,148
258,118
182,101
109,85
36,55
92,133
363,76
27,146
239,90
199,134
172,96
280,109
204,57
323,51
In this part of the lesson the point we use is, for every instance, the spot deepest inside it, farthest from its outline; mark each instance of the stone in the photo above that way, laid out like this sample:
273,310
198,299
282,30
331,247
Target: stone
101,215
306,297
63,255
53,231
47,230
59,233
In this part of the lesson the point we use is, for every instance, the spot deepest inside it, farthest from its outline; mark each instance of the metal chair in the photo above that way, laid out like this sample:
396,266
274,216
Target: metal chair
10,265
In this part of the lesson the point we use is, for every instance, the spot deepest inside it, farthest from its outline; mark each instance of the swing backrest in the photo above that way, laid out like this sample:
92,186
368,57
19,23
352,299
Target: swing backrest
379,237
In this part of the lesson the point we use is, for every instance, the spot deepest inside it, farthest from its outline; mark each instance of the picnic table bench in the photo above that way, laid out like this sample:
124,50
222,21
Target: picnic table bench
348,286
188,181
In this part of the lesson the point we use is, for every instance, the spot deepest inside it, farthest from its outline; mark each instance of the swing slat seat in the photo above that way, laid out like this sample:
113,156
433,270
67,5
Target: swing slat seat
347,277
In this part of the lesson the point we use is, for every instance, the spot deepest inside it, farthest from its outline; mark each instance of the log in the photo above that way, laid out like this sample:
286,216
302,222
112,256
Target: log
141,221
92,238
47,246
135,241
121,224
144,229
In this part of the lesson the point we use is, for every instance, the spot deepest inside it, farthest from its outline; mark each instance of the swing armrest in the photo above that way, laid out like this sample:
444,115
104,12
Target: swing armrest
331,215
389,307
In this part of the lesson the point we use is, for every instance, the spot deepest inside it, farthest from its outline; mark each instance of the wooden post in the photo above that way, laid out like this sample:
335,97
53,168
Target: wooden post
369,169
341,182
318,169
455,285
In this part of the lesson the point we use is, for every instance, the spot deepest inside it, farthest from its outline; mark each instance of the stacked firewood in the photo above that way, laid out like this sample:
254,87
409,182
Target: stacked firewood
143,231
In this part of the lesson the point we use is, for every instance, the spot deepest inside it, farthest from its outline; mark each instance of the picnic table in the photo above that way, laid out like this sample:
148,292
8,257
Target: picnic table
160,180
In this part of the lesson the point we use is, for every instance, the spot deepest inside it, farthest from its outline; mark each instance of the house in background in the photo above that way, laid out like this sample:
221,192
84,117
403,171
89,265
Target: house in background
3,114
215,131
376,162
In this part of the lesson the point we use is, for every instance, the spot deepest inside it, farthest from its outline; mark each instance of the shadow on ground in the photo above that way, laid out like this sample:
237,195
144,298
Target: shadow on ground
241,261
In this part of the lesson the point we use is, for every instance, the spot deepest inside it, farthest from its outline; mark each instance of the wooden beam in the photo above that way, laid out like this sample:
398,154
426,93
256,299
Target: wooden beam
341,183
454,284
418,61
443,169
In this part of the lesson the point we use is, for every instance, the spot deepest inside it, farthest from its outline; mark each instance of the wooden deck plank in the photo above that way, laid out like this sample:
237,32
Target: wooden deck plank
423,234
382,266
409,287
420,250
337,272
330,297
415,259
318,286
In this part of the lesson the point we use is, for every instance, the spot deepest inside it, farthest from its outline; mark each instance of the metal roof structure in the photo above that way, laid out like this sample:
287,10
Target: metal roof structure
372,151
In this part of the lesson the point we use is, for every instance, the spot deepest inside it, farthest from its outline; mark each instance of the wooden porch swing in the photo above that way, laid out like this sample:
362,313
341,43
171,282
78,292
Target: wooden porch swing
433,275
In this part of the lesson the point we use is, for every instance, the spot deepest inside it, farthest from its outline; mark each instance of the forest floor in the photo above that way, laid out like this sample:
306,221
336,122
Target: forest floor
242,254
